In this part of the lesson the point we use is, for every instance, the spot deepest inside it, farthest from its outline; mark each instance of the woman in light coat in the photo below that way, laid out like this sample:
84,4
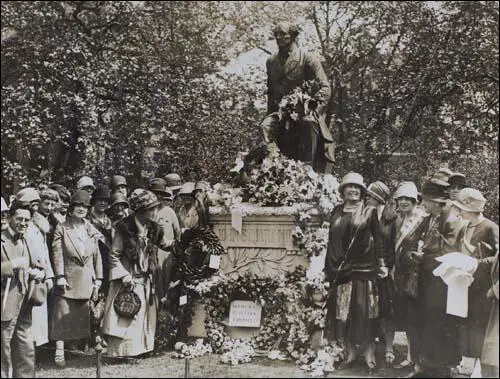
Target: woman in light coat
133,265
78,272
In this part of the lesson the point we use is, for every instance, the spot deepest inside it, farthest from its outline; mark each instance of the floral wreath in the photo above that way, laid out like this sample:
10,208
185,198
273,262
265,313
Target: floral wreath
266,291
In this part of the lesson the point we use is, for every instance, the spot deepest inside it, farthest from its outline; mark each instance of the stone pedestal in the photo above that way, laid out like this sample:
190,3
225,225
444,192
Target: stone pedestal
264,246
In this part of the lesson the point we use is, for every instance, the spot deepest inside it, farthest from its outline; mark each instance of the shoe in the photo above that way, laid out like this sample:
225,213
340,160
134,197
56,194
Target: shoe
59,359
389,358
370,367
404,364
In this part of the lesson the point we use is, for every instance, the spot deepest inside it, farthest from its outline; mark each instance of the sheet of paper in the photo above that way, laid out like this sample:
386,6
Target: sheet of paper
236,219
183,300
214,261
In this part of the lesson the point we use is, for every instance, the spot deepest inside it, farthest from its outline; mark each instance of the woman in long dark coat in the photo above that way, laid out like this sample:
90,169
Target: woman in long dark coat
78,272
354,256
409,229
439,331
378,196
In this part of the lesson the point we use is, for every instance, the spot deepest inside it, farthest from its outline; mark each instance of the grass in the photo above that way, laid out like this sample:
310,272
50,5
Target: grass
164,366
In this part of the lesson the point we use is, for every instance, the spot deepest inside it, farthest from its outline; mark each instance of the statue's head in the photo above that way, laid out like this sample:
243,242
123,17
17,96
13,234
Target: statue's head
285,32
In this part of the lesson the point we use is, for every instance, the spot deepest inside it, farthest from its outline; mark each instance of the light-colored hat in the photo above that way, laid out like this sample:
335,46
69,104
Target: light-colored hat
27,195
352,178
441,176
5,207
85,181
49,194
201,185
174,181
470,200
379,191
407,189
187,188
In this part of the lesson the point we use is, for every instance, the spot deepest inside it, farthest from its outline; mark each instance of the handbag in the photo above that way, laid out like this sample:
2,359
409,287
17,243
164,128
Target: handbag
127,303
37,292
411,286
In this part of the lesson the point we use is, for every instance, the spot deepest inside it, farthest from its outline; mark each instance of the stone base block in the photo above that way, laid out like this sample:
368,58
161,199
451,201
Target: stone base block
197,328
243,333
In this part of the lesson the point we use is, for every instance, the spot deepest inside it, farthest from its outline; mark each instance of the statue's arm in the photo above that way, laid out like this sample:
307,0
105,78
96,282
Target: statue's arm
317,72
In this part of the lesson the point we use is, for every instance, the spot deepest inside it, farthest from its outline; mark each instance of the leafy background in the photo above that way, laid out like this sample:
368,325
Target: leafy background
145,88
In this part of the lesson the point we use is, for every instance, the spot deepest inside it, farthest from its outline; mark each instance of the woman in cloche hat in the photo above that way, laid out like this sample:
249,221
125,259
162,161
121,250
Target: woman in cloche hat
133,263
78,272
351,265
409,228
438,350
479,239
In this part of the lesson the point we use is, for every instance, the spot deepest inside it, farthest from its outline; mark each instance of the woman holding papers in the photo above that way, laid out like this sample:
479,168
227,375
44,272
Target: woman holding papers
479,240
439,333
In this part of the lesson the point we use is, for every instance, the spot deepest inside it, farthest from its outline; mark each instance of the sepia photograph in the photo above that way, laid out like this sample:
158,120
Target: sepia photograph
249,189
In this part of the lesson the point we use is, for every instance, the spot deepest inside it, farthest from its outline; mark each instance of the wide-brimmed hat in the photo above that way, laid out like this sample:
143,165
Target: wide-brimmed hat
101,193
457,178
187,188
352,178
174,181
434,191
5,207
27,195
81,197
201,185
85,181
441,177
119,198
406,189
379,191
117,180
143,199
470,200
159,185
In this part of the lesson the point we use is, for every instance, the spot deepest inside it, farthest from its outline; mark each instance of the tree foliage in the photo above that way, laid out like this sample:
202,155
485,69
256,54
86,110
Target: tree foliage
139,88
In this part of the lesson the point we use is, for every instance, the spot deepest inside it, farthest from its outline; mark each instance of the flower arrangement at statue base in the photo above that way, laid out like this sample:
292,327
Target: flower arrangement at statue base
292,304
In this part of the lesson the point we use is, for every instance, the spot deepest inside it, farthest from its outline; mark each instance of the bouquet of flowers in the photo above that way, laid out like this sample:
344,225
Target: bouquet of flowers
300,103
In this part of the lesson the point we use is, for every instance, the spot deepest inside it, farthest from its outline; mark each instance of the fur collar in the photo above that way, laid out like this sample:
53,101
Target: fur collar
41,222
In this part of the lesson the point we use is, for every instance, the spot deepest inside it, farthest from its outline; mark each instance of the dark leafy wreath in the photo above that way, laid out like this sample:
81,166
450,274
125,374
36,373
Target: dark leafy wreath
191,264
263,291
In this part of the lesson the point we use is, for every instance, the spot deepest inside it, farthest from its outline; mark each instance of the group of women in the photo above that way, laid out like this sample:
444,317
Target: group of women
380,260
104,270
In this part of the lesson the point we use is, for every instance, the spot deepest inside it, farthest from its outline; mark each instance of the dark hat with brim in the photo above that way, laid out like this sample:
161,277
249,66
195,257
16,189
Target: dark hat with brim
379,191
159,186
119,198
80,197
457,178
433,191
101,193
